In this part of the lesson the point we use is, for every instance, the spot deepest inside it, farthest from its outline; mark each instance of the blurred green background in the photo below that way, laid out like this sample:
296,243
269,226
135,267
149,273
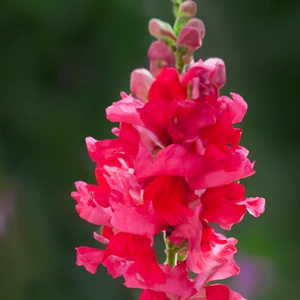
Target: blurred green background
63,61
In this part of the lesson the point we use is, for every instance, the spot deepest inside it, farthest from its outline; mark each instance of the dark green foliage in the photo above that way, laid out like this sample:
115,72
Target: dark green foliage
62,62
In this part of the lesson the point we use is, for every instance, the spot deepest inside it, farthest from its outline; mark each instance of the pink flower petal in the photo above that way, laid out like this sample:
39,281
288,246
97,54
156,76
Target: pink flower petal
130,220
140,82
160,55
93,205
90,258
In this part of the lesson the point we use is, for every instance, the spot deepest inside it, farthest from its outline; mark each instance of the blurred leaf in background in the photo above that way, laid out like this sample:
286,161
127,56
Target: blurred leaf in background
63,61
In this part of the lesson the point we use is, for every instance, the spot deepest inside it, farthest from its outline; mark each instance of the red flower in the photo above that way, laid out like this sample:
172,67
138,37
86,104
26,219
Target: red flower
208,252
168,196
152,295
93,205
212,292
136,221
206,77
173,167
125,254
177,283
220,291
227,205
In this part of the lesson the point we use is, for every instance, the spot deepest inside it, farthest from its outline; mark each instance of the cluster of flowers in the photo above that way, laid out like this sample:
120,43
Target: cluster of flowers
174,167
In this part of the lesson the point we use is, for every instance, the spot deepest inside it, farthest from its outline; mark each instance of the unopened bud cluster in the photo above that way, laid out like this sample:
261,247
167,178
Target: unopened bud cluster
182,39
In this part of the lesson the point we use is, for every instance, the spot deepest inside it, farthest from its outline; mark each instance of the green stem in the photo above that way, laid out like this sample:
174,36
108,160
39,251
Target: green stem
176,4
171,258
179,60
171,252
174,254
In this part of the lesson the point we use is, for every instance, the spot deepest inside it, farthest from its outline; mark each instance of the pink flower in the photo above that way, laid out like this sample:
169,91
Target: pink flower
125,254
140,82
160,55
188,9
191,35
151,295
174,167
206,77
177,283
212,292
227,205
208,252
93,205
168,196
90,258
217,292
222,168
161,30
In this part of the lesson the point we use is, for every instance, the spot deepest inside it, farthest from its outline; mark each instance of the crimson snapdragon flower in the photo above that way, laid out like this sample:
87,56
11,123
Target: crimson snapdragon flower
173,168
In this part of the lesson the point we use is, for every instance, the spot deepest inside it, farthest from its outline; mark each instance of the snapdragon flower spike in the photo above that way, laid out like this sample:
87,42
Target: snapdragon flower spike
174,168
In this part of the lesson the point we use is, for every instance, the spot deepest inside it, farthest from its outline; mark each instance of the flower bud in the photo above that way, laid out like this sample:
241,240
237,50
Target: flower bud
199,25
191,34
161,30
188,9
140,82
189,37
217,71
160,55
